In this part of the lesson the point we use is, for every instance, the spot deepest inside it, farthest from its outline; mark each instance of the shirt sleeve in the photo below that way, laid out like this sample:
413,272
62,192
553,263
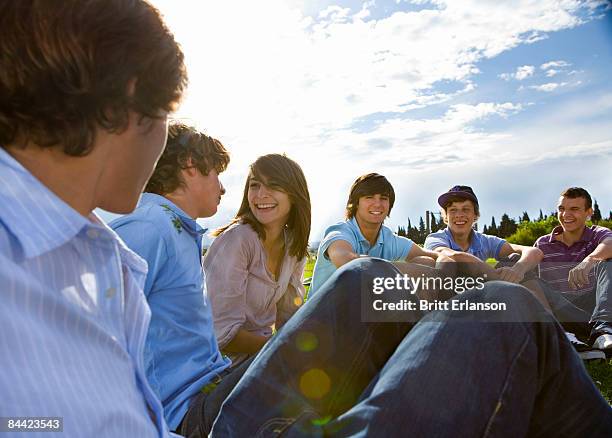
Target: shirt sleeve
334,233
226,267
293,297
148,241
494,245
436,240
601,234
403,247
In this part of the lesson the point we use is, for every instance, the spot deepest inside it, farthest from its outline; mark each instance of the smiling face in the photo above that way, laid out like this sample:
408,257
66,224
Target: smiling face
460,217
572,213
269,204
372,209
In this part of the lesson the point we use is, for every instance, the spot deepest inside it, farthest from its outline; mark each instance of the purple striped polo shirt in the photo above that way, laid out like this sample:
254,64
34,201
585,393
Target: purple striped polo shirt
559,258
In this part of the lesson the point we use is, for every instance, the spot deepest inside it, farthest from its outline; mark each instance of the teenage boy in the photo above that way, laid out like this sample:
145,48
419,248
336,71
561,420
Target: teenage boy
181,352
363,233
83,118
578,271
463,244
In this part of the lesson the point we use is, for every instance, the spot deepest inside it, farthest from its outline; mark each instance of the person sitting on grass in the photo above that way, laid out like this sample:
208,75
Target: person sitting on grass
577,272
86,89
363,233
460,242
254,266
181,352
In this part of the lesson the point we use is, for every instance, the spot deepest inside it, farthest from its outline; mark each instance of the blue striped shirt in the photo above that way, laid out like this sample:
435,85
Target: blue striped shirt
73,318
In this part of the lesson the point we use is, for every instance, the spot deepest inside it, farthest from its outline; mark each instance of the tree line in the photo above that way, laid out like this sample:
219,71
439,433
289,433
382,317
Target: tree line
522,230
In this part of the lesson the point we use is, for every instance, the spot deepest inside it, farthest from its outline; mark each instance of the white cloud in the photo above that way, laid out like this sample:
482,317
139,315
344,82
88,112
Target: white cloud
550,86
522,72
555,64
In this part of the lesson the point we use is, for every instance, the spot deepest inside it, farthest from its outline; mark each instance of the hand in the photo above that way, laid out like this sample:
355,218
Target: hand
579,276
510,274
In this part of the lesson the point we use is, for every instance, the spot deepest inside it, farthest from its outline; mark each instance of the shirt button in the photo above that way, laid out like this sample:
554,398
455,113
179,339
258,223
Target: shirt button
110,292
92,233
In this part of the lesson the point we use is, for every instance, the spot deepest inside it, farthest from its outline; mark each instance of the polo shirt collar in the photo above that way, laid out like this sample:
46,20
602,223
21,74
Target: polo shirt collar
379,239
474,241
190,225
37,217
129,257
587,234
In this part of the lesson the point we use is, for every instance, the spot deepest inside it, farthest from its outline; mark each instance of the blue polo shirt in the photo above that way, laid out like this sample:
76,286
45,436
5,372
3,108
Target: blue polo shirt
388,246
482,246
181,352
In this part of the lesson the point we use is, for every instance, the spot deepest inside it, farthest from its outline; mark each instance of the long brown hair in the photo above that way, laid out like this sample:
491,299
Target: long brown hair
284,174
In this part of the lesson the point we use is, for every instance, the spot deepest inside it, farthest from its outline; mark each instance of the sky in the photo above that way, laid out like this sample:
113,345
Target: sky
512,98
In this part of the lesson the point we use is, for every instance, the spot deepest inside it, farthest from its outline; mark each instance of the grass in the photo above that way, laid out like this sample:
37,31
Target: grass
309,266
600,371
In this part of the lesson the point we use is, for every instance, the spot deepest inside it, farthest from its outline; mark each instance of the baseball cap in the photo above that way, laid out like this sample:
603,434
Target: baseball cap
457,191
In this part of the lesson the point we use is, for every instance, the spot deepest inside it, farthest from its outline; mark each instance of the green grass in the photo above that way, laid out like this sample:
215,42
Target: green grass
309,267
600,371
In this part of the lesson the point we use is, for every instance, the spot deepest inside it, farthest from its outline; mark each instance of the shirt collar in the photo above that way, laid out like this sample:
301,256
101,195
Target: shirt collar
474,241
379,239
188,224
38,218
587,234
129,257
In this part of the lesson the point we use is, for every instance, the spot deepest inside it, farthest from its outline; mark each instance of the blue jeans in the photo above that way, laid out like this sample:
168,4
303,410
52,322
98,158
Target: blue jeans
454,373
588,315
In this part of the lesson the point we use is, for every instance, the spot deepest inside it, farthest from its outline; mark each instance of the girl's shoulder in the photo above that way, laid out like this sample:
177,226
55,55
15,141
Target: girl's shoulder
238,234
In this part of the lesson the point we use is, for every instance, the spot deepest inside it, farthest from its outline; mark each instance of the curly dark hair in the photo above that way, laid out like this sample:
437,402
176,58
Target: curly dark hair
70,67
186,147
280,173
366,185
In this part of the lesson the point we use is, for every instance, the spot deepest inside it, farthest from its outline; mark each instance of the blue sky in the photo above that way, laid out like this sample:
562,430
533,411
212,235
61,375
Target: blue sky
512,98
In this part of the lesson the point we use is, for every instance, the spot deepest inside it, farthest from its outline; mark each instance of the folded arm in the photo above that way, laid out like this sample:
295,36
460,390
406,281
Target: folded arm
579,276
530,258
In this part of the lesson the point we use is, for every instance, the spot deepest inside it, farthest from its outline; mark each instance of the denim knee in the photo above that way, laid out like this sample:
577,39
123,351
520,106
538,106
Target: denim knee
603,267
352,276
520,304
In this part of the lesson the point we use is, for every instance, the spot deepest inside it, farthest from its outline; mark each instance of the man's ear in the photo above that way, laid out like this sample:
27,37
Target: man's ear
190,169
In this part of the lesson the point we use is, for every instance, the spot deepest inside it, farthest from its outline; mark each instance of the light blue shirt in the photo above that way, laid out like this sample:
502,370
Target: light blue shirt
181,352
388,246
482,246
73,318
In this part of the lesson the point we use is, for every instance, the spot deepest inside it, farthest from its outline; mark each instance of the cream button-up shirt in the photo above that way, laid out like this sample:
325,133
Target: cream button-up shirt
243,293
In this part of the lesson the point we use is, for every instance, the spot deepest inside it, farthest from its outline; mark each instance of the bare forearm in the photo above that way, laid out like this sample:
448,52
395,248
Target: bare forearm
530,257
342,259
246,342
603,251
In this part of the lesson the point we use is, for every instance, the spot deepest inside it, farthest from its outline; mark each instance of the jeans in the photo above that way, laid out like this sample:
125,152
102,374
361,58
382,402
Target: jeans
454,373
204,407
588,315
